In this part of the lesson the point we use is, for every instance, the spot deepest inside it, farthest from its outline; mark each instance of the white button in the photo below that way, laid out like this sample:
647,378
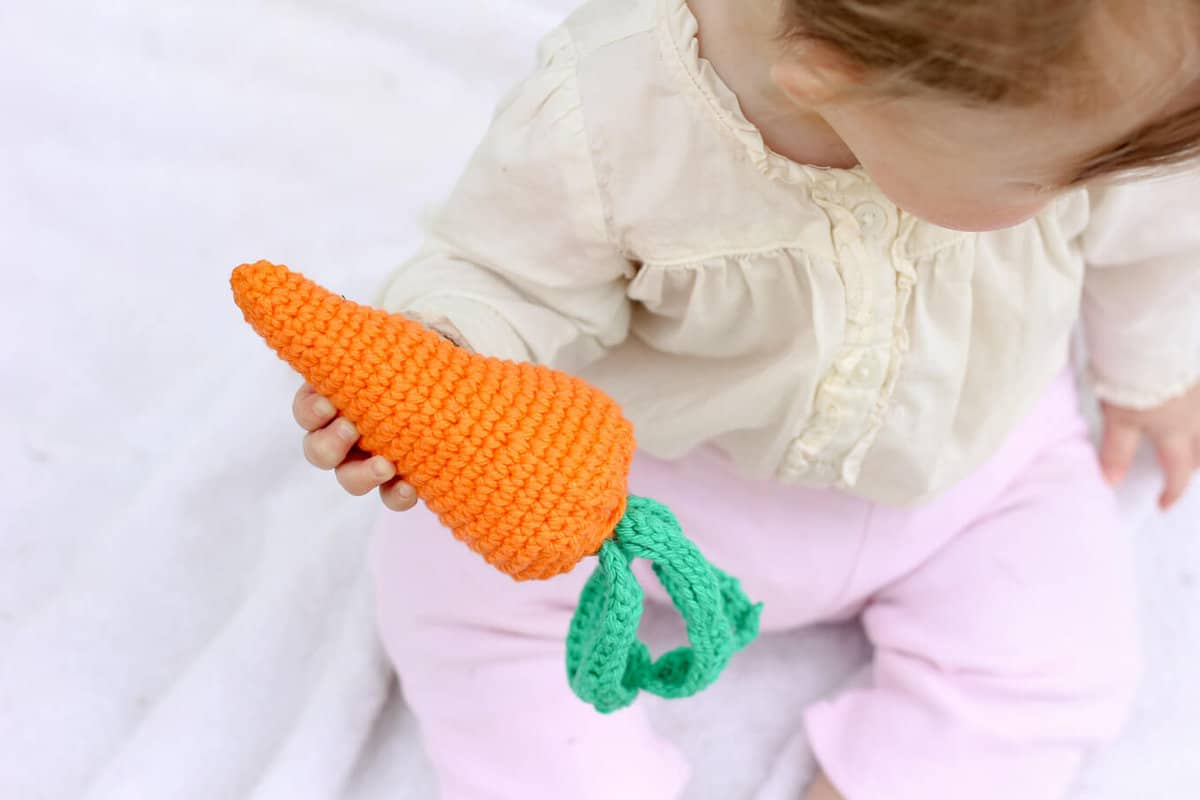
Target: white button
869,369
796,459
826,406
871,219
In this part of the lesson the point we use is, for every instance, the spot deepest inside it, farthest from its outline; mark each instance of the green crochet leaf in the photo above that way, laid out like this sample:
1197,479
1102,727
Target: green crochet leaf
606,663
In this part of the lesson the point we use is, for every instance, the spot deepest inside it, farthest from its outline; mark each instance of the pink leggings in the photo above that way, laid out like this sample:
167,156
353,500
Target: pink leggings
1001,619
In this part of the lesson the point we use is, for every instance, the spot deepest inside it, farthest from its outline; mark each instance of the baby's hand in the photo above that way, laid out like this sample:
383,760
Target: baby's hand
330,445
1173,427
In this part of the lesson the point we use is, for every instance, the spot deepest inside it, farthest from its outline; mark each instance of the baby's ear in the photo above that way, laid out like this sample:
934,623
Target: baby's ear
814,73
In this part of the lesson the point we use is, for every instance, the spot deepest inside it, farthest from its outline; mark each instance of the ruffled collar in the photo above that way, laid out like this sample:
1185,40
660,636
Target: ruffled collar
678,34
678,31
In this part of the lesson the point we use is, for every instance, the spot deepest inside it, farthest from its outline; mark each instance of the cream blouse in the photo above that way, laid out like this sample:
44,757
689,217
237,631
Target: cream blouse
623,220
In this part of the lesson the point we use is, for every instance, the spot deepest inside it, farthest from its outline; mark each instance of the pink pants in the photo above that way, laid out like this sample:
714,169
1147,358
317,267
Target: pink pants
1001,617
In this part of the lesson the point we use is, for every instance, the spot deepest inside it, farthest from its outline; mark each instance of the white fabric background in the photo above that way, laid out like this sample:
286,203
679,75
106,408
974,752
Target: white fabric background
183,607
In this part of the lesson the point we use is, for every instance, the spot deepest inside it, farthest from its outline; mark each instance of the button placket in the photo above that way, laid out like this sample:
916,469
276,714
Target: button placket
864,234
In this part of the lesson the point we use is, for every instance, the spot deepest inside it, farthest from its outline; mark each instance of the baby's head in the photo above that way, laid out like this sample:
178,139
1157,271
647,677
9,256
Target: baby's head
975,114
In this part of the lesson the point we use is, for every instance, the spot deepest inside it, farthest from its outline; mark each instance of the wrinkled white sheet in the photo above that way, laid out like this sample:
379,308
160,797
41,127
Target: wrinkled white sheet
183,607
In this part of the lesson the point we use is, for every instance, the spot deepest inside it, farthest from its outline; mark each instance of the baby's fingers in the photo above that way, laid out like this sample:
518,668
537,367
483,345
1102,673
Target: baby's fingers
398,495
358,476
1177,458
311,410
1118,449
361,474
329,446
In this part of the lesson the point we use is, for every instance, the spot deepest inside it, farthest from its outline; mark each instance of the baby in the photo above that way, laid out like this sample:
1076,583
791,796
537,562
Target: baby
828,255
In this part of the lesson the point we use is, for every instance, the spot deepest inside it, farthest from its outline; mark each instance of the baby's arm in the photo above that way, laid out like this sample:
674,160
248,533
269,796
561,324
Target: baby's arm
520,263
1142,320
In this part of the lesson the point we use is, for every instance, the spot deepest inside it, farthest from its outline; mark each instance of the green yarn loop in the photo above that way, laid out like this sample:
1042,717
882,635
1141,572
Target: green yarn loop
606,663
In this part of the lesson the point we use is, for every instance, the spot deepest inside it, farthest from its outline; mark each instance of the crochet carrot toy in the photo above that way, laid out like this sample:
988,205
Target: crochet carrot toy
526,465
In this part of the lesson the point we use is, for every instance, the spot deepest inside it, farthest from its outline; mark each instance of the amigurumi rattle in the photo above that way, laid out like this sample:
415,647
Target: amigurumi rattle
526,465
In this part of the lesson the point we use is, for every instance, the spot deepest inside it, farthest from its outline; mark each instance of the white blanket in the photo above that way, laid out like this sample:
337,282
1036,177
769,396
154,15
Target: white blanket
183,606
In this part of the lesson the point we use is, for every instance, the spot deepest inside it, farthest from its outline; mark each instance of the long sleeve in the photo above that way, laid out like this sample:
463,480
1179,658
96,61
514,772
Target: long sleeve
519,263
1142,292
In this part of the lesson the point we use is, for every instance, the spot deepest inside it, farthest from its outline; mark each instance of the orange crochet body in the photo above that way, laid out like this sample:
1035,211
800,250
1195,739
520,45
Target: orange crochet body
526,465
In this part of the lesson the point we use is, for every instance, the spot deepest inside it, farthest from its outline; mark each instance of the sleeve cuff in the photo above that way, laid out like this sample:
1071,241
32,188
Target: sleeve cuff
1145,396
469,324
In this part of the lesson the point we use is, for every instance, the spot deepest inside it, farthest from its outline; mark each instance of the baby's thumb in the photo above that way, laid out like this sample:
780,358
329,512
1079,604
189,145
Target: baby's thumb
1118,449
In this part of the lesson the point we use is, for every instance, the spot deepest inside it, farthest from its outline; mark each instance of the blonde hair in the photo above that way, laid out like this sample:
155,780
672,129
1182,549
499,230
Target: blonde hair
1018,52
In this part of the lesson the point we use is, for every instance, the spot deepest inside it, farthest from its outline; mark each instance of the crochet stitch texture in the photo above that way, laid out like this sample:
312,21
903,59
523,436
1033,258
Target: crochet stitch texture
525,464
